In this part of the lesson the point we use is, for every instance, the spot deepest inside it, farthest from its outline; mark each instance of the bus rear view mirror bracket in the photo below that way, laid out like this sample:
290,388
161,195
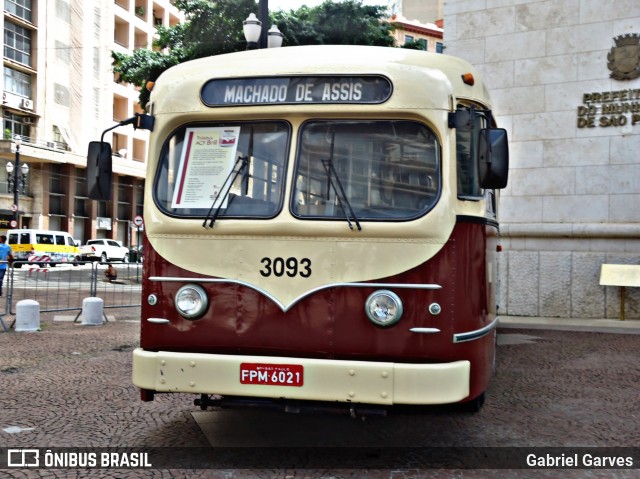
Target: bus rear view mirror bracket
493,158
100,161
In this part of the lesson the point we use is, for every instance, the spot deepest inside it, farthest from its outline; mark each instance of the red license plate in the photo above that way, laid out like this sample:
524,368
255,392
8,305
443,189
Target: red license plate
272,374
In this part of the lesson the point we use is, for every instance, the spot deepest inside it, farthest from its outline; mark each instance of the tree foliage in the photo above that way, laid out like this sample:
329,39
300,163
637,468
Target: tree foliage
213,27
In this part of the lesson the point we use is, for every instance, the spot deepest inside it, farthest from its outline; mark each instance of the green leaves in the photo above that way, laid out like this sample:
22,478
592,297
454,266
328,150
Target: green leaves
214,27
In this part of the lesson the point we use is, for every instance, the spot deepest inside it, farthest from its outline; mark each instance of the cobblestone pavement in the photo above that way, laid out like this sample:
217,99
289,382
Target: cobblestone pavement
70,386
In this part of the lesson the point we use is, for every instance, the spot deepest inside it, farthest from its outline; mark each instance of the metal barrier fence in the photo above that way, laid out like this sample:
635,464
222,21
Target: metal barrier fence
63,287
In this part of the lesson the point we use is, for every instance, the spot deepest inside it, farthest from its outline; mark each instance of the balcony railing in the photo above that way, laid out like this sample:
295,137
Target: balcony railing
54,145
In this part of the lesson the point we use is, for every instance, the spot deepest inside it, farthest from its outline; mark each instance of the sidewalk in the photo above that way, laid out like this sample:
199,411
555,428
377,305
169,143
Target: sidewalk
571,324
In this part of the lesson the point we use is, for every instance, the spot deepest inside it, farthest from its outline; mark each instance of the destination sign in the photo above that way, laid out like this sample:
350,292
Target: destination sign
296,90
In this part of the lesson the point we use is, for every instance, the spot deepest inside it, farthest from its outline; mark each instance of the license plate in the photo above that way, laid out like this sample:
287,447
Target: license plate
272,374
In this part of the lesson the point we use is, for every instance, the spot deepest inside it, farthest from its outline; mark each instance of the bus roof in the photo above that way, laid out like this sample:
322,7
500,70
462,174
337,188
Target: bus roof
401,66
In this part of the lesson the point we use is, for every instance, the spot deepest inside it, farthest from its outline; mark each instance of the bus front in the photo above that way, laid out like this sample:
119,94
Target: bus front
305,238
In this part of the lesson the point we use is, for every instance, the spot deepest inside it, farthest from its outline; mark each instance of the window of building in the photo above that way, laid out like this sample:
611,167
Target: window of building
59,140
20,8
17,43
423,43
408,38
138,191
56,190
16,125
103,209
81,202
439,47
17,82
63,52
124,198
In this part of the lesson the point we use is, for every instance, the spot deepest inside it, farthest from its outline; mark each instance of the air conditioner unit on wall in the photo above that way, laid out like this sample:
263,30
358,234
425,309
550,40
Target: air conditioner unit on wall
27,104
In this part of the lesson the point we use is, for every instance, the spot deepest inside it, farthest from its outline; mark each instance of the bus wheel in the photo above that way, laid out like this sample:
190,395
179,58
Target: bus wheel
474,405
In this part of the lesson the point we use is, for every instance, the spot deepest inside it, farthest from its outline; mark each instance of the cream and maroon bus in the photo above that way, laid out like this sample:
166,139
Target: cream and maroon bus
321,230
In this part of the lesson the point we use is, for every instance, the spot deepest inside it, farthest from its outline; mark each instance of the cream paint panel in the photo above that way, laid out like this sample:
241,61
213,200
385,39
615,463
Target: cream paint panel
333,260
324,379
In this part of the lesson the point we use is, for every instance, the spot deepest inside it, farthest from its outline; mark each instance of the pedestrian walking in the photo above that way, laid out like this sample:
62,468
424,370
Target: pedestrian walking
6,257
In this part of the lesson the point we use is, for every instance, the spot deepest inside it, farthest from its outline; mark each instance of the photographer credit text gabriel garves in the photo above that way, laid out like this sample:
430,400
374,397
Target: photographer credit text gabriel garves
578,461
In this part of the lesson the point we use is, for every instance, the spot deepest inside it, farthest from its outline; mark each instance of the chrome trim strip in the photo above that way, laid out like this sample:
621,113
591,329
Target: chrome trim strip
477,334
283,307
424,330
158,320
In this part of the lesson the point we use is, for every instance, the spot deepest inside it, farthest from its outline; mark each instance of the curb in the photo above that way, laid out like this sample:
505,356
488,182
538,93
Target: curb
570,324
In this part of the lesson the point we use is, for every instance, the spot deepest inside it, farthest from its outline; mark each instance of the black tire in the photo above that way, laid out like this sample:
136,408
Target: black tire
474,405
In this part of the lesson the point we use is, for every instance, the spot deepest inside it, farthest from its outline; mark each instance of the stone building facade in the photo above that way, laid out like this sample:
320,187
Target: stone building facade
565,82
59,93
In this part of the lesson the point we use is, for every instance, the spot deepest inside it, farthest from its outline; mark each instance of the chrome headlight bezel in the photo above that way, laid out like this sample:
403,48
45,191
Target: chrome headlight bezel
198,297
383,302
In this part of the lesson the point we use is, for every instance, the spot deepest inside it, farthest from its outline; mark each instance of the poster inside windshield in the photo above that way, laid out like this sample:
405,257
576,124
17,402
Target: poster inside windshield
206,161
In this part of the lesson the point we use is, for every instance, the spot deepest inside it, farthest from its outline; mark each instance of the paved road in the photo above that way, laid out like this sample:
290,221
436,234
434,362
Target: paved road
69,386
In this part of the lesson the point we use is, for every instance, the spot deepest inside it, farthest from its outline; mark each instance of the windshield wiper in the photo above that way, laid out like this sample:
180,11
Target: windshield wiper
231,178
331,172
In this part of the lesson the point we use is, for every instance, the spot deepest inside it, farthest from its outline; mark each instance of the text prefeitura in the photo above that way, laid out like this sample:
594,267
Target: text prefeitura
609,108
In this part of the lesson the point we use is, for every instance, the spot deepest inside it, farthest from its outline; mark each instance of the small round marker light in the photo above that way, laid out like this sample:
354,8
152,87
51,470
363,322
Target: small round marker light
468,79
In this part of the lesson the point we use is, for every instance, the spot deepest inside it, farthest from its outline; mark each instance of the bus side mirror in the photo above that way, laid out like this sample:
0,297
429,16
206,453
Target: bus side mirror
99,170
493,158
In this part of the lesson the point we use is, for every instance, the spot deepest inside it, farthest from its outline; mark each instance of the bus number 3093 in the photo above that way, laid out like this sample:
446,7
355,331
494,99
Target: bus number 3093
292,267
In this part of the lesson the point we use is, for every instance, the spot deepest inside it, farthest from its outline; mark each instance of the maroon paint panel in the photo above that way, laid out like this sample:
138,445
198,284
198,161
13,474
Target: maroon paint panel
332,323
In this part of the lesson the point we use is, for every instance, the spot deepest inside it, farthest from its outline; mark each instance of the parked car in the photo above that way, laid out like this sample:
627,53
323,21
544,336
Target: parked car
104,250
46,247
135,254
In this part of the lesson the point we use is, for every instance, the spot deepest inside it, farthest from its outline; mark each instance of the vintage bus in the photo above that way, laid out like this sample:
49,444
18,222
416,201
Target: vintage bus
321,230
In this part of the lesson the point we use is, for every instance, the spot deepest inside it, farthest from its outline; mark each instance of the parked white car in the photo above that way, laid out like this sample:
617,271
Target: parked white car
104,250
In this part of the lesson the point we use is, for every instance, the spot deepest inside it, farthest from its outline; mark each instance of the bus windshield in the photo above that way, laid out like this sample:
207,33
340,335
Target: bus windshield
238,169
360,170
386,170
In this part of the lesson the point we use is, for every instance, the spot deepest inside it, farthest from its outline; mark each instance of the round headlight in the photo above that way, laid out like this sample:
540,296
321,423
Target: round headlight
383,307
191,301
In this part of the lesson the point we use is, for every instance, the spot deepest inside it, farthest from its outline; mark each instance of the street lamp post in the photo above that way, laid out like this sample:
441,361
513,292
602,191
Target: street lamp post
258,37
16,179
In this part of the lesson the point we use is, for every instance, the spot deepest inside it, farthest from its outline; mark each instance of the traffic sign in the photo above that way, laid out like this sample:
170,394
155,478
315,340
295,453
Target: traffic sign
138,221
14,208
13,224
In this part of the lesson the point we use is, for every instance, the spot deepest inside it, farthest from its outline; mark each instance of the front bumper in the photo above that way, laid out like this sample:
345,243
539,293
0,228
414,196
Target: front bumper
364,382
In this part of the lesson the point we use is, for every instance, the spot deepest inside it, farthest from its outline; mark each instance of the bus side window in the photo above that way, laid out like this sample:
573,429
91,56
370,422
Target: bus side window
60,240
25,238
467,131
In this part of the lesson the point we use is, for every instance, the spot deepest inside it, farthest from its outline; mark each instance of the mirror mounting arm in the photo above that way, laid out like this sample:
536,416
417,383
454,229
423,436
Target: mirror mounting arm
139,120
